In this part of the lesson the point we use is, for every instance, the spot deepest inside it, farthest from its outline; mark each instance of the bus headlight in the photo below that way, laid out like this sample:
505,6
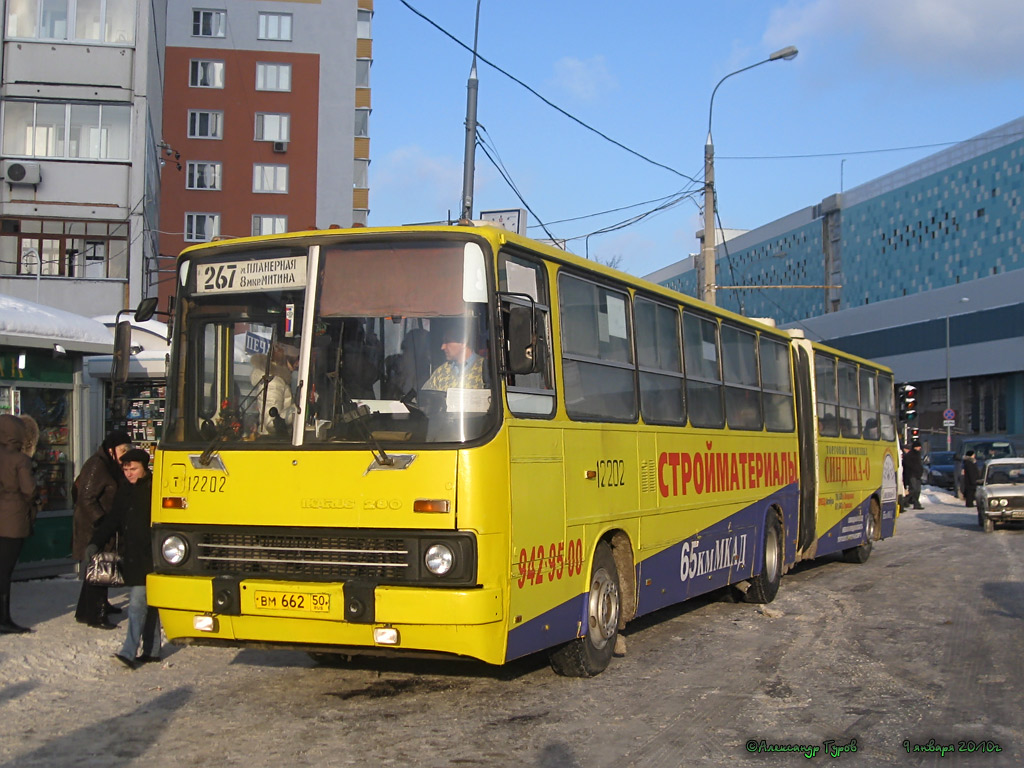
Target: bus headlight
439,559
174,549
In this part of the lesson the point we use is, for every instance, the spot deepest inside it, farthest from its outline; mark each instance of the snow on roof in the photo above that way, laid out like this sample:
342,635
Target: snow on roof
29,324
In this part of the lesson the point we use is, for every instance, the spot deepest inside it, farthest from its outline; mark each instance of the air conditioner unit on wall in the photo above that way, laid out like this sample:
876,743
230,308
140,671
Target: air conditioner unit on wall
280,146
21,172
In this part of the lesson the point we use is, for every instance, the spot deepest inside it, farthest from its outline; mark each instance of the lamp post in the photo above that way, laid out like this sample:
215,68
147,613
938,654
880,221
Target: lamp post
949,429
708,247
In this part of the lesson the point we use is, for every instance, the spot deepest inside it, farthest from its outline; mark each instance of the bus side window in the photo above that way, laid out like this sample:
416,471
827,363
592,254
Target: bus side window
869,403
662,388
703,371
597,359
739,370
777,385
827,397
849,400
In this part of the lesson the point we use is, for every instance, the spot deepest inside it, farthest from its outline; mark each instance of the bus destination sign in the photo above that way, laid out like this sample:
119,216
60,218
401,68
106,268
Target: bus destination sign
249,276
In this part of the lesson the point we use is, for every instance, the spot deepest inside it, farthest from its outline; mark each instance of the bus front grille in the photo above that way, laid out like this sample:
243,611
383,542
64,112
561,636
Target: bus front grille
304,557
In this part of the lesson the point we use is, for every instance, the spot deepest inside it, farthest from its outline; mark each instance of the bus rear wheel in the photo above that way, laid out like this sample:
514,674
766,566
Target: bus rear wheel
589,655
765,585
861,553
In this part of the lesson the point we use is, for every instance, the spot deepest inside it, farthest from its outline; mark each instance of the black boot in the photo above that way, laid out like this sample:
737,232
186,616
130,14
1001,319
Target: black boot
8,627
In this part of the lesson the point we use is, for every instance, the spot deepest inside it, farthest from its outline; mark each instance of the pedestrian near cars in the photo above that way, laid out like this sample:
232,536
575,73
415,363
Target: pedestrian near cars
913,468
971,477
94,492
17,511
129,518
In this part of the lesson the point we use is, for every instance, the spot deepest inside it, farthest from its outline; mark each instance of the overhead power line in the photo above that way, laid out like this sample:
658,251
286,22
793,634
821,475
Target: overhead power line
550,103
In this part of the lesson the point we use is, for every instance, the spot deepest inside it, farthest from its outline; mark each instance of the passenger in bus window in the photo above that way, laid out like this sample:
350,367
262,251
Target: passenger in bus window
361,359
277,404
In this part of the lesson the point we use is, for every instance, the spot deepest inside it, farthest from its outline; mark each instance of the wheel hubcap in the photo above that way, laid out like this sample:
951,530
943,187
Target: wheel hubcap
771,553
603,609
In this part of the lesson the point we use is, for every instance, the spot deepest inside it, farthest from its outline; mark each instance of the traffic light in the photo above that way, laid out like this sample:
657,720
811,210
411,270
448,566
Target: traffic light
908,402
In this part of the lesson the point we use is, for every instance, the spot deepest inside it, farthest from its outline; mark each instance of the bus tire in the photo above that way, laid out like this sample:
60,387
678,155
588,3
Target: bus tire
861,553
589,655
765,585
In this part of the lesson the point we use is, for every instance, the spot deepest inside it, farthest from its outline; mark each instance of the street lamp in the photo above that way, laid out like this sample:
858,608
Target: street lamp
708,248
949,429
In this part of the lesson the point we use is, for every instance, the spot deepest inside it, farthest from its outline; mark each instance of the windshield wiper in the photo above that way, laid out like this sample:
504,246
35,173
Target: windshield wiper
355,415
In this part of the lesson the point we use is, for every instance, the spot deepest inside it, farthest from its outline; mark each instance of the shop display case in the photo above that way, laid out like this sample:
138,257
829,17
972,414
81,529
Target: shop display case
139,409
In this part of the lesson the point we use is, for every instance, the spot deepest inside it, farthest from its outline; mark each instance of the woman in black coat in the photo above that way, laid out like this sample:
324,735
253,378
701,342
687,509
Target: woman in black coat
94,494
130,518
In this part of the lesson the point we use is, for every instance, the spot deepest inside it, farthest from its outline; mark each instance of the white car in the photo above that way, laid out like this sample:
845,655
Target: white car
1000,495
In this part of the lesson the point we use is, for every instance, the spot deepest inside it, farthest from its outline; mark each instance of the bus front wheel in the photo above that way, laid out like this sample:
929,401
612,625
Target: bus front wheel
589,655
765,585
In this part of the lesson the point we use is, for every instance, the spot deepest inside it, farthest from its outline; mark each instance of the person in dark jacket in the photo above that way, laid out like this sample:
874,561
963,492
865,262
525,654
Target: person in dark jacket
971,477
94,494
17,491
130,518
913,470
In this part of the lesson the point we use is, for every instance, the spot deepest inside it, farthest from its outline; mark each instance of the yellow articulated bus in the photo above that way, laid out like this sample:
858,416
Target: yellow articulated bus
459,441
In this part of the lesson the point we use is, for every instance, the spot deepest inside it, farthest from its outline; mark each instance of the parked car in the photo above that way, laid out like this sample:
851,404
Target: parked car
938,469
1000,496
984,449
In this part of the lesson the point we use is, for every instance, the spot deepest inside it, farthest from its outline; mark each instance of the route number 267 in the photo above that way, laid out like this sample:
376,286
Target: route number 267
218,277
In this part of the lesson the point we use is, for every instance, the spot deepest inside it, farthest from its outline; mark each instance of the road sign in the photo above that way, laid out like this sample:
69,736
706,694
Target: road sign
949,414
949,423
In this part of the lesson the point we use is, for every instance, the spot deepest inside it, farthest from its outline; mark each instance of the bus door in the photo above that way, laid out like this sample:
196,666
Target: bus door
806,426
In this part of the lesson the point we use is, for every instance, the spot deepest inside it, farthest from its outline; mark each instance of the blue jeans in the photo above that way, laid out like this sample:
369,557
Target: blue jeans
143,625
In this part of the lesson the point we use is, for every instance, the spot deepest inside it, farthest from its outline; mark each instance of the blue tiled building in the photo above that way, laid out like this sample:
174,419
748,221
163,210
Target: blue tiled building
893,261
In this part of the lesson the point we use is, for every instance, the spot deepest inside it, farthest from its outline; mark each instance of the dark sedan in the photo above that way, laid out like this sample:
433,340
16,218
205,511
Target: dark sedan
938,469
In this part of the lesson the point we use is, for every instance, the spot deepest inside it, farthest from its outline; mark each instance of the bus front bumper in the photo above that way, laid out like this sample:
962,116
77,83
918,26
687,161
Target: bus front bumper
463,622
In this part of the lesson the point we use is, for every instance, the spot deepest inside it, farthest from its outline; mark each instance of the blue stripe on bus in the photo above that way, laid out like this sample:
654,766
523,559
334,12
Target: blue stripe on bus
850,531
740,536
727,552
562,622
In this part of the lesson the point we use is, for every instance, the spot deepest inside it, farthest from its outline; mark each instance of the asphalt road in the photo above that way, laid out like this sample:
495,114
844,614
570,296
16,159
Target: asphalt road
922,646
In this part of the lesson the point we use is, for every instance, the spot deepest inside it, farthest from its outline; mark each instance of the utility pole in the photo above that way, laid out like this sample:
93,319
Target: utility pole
469,164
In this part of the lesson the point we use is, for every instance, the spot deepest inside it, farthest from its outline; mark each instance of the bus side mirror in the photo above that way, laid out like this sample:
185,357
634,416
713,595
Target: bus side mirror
522,340
122,351
146,310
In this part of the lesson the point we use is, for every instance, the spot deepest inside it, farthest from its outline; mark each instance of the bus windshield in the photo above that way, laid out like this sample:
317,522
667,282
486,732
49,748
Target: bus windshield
393,348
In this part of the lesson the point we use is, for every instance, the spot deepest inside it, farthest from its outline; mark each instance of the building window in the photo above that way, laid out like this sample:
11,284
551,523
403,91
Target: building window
362,127
363,73
107,21
269,225
205,125
272,127
363,19
275,26
200,175
361,174
206,74
62,248
273,77
271,179
72,131
201,227
209,23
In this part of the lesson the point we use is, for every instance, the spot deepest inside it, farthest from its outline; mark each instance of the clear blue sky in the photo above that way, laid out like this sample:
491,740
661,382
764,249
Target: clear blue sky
871,76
